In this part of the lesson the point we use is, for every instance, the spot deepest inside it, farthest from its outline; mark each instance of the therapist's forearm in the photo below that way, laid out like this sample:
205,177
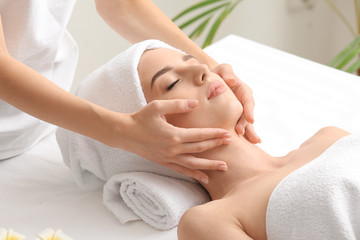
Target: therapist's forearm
137,20
3,49
32,93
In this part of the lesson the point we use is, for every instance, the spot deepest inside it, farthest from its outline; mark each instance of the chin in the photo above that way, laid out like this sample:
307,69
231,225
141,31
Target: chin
228,108
233,112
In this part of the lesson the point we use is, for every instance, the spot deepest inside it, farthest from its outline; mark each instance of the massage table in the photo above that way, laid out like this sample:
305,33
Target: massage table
294,98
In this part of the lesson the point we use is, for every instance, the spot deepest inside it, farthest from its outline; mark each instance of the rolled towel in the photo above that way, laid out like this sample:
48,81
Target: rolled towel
116,86
158,200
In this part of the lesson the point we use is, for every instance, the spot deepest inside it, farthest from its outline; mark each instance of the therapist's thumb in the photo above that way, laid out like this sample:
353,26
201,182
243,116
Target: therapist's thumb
176,106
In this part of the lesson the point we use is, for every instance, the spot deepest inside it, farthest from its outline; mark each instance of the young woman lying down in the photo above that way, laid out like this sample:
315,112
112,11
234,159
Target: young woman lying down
312,192
307,194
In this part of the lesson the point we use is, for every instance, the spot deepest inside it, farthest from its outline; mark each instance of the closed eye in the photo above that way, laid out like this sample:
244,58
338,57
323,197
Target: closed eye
172,85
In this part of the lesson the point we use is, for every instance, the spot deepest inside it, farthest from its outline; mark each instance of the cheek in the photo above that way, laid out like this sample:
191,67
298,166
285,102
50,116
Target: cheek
230,111
194,119
187,120
222,113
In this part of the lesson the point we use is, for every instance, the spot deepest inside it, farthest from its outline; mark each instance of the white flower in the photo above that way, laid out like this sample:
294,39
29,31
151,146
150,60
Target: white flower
50,234
10,235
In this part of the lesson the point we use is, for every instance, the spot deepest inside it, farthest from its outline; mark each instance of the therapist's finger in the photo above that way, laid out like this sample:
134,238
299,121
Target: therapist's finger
248,104
198,175
251,135
244,94
240,89
241,125
191,135
164,107
192,162
247,130
227,74
202,146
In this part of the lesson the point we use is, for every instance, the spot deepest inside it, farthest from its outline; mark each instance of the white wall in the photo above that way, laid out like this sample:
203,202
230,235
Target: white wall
316,33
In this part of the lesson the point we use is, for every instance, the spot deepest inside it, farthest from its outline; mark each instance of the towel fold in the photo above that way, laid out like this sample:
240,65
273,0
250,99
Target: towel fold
320,200
116,86
158,200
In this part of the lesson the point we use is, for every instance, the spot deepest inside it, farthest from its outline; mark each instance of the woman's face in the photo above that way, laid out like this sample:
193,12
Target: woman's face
169,74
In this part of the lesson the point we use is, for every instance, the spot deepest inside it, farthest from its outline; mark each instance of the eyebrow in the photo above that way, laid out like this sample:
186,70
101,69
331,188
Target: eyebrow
168,68
187,57
159,73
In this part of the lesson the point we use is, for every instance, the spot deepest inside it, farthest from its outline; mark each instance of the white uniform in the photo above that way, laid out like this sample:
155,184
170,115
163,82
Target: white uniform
35,34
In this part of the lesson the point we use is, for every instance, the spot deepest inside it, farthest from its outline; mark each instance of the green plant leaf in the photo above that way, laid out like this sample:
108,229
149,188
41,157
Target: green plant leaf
194,7
210,37
348,58
187,23
343,54
353,68
199,30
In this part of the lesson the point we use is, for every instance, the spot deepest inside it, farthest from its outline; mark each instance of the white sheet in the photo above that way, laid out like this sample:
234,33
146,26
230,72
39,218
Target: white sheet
294,98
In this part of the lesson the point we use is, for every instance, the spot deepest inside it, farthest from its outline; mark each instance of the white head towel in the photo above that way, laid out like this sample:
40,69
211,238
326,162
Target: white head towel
116,86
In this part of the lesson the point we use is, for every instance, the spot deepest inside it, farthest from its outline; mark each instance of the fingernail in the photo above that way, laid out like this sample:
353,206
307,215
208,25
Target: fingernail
192,103
232,82
250,120
226,141
241,132
204,180
223,167
227,135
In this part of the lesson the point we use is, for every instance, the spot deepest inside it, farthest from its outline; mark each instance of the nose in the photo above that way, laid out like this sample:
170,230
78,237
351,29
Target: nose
197,73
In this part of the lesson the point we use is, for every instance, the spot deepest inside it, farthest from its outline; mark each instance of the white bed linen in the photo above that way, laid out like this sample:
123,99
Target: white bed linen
294,98
37,191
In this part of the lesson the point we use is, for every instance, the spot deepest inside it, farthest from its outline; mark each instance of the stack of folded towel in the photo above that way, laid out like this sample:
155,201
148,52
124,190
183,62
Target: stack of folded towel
135,187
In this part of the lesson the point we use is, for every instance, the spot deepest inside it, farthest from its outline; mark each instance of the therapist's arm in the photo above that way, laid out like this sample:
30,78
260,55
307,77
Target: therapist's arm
145,132
3,48
138,20
34,94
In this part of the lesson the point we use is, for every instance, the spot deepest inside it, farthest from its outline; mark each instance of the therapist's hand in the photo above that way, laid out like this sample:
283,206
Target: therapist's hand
158,141
244,94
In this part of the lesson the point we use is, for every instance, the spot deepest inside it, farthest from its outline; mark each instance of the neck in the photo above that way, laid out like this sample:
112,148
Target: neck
245,161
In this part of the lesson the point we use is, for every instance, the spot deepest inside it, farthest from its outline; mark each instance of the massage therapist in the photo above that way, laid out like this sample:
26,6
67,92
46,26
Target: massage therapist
38,58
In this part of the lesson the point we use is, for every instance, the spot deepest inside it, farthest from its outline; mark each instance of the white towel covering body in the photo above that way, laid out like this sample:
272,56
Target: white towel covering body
116,86
35,34
320,200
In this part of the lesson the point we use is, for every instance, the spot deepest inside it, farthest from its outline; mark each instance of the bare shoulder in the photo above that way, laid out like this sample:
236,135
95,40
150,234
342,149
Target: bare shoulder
335,131
213,220
325,137
219,208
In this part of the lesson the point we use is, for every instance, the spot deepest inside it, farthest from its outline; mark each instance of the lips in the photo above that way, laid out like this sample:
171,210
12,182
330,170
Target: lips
216,88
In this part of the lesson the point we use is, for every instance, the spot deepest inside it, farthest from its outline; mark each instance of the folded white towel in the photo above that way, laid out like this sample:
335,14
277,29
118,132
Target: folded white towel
320,200
158,200
116,86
